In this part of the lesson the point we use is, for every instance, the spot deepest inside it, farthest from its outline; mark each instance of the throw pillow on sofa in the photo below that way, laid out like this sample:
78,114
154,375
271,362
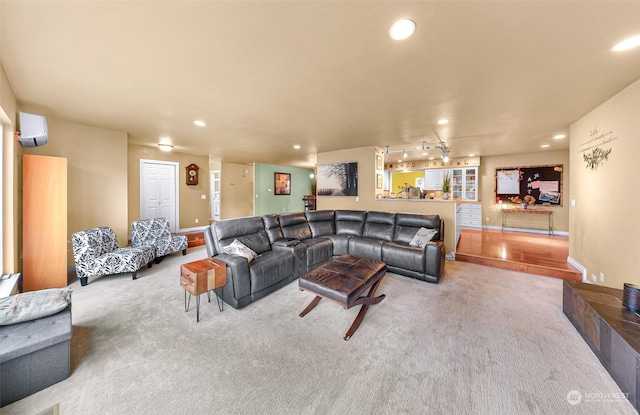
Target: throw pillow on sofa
238,248
422,237
32,305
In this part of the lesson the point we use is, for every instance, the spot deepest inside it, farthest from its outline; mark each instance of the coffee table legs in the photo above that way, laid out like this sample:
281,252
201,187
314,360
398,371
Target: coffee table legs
364,301
312,304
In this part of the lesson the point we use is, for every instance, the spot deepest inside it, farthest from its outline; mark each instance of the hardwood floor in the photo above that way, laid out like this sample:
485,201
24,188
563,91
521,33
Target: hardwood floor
518,251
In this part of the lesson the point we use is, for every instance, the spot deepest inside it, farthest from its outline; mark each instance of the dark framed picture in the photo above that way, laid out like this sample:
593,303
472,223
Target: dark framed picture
338,179
282,184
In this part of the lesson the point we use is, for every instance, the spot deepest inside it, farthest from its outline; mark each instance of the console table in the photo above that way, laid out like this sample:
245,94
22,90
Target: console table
547,212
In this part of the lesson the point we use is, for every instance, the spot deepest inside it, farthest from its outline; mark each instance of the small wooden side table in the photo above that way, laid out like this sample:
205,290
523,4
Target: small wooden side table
202,276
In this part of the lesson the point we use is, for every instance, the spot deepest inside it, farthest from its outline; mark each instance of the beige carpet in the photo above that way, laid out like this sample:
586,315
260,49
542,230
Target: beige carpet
483,341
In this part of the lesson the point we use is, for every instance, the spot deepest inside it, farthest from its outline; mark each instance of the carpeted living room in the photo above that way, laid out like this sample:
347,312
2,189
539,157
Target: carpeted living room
272,207
483,340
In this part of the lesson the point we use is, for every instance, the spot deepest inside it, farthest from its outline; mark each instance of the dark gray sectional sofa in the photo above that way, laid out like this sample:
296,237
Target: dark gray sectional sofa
289,245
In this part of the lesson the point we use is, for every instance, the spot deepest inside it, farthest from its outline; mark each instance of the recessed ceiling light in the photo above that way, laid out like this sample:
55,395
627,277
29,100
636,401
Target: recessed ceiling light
165,147
627,44
199,123
559,136
443,121
402,29
472,155
544,145
297,147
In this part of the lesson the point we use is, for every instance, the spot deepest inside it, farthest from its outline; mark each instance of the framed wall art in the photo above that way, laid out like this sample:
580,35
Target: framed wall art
338,179
282,184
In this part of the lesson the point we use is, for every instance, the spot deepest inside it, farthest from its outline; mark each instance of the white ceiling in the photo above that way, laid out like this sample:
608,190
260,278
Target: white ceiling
322,74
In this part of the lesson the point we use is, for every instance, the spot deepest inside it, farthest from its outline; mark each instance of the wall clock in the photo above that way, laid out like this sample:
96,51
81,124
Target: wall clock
192,174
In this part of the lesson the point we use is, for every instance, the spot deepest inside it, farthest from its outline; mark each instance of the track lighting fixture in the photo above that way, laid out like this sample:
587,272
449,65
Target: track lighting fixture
441,146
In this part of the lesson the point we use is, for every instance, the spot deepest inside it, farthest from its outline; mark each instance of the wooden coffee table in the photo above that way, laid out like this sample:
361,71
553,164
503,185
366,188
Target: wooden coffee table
200,277
343,280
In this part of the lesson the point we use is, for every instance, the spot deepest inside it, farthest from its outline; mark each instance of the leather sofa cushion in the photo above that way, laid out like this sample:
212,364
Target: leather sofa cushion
366,248
295,225
408,224
350,222
340,244
404,256
318,250
250,231
379,225
269,269
321,222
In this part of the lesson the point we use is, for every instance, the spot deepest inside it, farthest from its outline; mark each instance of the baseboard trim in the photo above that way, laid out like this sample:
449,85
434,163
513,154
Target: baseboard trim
194,229
579,267
525,230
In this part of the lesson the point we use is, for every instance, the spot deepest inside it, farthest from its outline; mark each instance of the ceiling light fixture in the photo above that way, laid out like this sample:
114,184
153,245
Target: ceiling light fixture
402,29
296,146
627,44
544,145
443,121
200,123
165,147
559,136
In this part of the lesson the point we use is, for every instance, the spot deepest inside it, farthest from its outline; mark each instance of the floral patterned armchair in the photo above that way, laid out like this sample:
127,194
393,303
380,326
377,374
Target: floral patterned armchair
156,233
96,252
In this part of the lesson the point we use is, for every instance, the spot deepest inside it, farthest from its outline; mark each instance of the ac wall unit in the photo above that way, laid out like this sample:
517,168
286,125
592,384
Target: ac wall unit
33,130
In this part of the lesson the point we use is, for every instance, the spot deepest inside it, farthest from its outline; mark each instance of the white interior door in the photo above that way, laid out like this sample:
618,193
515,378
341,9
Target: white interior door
159,191
215,194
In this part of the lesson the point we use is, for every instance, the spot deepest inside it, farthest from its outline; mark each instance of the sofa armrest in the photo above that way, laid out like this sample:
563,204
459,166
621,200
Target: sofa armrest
286,242
238,271
434,259
299,252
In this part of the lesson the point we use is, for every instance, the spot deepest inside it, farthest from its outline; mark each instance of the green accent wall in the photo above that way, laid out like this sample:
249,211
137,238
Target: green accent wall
266,201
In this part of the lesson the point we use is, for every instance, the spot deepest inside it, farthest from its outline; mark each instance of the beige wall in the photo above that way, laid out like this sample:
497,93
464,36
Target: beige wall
366,200
96,175
191,205
604,224
236,190
491,210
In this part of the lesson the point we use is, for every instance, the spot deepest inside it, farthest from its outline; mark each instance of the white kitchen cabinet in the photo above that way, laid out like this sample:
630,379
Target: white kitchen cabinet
464,183
469,215
433,178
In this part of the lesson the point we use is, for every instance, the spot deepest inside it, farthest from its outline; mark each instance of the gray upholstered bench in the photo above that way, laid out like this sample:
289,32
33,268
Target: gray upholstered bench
34,355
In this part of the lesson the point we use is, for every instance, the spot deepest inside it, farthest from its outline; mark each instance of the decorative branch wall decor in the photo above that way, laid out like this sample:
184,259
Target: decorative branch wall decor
593,152
597,158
